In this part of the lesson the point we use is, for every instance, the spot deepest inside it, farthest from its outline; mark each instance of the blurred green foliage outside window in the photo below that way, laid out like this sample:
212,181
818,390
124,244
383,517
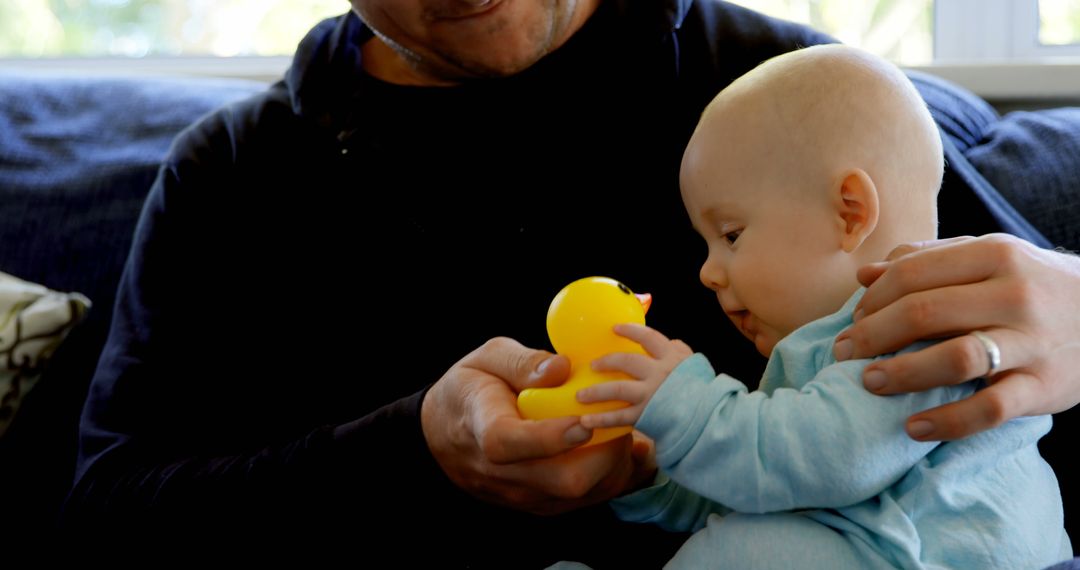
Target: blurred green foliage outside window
136,28
901,30
1059,22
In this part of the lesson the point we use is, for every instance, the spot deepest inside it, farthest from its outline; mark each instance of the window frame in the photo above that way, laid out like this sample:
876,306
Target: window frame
267,69
971,30
968,51
1020,68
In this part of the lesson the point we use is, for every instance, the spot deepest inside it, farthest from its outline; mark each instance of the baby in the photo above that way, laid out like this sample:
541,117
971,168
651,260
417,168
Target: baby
816,163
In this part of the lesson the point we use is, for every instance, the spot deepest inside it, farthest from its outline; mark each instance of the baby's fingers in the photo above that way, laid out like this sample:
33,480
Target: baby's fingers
624,417
652,340
635,365
626,390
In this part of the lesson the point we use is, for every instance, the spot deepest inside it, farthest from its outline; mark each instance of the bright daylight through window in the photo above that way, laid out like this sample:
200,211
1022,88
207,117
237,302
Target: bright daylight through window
136,28
901,30
1059,22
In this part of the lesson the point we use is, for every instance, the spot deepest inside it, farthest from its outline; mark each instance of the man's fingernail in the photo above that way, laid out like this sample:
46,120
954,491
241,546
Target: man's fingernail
874,380
543,366
920,428
842,349
577,434
859,313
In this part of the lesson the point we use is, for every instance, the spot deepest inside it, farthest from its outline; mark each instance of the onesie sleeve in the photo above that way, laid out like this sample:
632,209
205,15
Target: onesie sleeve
826,445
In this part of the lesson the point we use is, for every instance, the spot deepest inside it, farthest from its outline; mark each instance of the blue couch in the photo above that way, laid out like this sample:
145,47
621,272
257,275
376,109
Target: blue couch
77,156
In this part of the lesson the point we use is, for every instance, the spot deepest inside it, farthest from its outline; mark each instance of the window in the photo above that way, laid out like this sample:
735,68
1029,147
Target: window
997,48
917,32
1059,22
136,28
1003,50
909,32
1005,30
900,30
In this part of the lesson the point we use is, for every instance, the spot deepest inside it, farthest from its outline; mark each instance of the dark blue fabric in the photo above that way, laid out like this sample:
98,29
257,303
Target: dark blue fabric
960,114
59,129
964,119
1024,167
77,157
991,203
1073,564
1033,158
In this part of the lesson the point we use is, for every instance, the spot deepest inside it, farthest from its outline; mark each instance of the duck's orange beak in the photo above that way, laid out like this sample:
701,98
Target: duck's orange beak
645,299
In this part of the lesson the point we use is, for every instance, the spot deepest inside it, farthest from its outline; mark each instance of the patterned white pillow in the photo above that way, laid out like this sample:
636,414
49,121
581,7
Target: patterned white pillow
33,322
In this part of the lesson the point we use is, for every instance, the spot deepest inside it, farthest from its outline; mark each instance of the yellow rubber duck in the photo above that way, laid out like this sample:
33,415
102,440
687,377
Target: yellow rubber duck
579,323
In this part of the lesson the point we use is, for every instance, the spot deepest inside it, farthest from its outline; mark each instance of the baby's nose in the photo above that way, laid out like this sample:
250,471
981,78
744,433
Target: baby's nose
712,275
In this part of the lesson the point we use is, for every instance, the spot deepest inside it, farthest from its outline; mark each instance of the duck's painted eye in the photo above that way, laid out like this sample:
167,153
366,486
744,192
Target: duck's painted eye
624,289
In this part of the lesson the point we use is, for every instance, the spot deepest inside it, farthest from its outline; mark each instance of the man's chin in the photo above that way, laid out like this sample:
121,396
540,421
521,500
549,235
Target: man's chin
476,59
488,67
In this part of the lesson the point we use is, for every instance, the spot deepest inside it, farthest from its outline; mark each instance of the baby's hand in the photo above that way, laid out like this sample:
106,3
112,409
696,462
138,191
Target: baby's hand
648,371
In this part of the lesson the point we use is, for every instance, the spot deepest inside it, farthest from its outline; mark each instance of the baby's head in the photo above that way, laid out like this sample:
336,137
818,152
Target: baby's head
811,165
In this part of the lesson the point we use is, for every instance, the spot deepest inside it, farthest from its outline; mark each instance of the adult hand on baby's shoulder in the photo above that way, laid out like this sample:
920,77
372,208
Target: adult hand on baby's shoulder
473,429
1026,299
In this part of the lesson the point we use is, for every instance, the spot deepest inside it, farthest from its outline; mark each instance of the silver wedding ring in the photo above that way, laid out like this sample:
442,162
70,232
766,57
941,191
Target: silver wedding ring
993,353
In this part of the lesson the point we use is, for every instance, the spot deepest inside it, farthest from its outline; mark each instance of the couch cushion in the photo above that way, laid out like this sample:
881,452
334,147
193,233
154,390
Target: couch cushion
1029,161
964,119
77,156
961,114
1033,158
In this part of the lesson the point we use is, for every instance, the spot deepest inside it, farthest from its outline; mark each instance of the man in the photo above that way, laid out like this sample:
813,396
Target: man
466,160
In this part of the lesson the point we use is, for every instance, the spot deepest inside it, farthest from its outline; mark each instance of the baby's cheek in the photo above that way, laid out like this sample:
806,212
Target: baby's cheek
772,300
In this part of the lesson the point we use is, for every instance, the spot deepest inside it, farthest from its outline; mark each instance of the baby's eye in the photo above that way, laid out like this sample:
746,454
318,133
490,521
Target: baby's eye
731,236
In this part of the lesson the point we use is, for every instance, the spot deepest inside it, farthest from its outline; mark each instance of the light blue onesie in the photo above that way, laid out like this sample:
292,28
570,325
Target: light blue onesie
813,471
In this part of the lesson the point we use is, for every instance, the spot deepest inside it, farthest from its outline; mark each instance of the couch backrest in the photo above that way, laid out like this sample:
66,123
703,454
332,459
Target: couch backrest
77,157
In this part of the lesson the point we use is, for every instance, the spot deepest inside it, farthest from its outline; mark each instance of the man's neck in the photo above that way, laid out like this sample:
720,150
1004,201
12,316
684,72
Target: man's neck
394,64
386,63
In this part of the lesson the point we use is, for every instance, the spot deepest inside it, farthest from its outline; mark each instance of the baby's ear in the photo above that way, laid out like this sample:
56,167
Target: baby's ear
856,203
